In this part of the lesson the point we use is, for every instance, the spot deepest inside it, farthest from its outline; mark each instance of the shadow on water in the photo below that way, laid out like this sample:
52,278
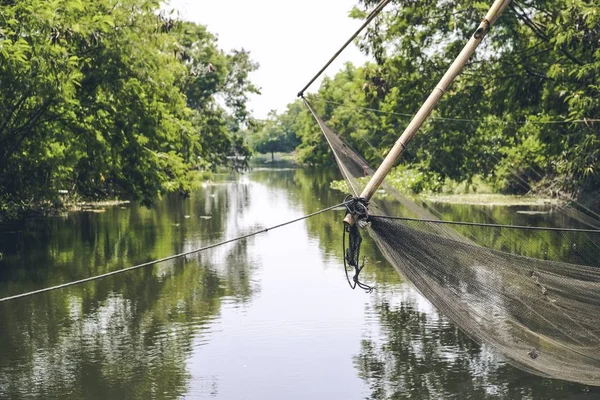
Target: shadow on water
133,335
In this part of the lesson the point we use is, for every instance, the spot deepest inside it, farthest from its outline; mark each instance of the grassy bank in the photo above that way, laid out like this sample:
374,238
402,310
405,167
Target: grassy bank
267,159
473,193
64,202
488,199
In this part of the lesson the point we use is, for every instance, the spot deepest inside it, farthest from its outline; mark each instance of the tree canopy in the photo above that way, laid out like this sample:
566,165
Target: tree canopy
112,98
119,98
524,113
277,133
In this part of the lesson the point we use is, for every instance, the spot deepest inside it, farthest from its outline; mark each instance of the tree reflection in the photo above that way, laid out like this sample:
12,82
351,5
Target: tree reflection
129,336
126,336
419,355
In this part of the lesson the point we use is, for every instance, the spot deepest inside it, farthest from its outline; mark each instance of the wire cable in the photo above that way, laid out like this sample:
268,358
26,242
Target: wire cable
555,122
160,260
524,227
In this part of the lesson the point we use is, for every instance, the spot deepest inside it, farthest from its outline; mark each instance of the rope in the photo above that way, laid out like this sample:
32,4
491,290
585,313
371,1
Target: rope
575,121
352,257
370,17
536,228
160,260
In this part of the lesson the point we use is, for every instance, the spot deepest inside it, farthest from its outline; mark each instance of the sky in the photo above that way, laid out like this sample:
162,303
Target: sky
291,40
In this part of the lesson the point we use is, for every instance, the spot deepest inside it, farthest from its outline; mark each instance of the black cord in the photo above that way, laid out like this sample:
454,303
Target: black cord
357,207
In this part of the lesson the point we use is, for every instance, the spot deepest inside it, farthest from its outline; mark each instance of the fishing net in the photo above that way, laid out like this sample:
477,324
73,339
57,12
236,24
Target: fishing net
532,294
353,167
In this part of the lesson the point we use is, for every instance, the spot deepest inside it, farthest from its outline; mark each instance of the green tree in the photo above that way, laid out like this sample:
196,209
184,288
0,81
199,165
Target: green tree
278,132
111,98
540,64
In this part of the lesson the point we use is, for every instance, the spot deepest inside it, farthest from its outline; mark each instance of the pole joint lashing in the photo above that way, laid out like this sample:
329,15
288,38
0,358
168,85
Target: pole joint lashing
483,29
358,209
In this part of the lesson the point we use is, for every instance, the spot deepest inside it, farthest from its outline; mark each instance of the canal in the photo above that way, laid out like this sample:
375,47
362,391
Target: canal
270,317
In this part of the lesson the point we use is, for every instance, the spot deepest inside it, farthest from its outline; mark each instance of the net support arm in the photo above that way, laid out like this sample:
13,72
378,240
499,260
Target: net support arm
370,18
495,11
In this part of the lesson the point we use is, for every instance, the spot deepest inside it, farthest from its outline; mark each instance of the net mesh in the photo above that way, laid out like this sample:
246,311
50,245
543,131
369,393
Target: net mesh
353,167
533,296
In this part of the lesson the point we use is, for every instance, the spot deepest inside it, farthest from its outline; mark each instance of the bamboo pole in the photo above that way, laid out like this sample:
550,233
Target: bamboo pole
496,9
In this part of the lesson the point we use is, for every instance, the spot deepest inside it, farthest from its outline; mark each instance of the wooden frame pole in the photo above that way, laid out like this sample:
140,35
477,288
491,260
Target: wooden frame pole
495,11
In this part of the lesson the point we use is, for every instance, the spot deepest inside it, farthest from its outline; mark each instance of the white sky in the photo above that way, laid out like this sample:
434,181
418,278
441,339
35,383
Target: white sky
291,40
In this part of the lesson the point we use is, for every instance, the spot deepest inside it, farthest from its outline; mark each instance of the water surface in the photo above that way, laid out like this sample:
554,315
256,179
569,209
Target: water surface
270,317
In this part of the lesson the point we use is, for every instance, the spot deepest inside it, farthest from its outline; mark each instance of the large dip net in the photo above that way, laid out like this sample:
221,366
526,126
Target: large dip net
537,302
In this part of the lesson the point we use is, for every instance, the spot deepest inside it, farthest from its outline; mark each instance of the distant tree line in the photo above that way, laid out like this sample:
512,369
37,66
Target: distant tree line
277,133
112,98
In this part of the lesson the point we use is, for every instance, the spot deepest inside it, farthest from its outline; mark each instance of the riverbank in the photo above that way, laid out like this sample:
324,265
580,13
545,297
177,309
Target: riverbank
477,192
489,199
95,206
15,212
263,160
458,195
474,199
65,202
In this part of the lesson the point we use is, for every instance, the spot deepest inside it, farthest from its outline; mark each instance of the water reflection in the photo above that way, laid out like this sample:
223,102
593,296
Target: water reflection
413,353
125,336
409,351
271,317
